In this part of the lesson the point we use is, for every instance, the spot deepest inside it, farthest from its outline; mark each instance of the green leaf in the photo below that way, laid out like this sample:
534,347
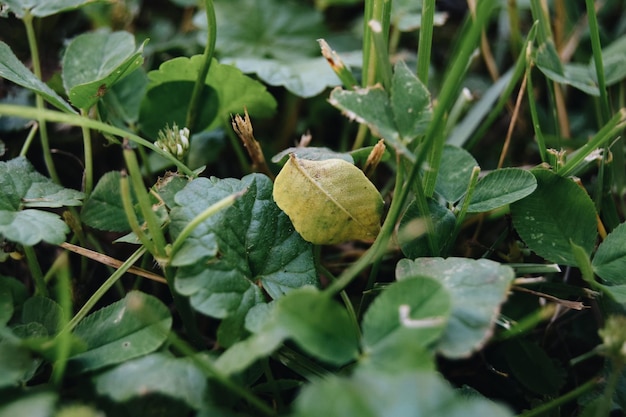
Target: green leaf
303,76
555,213
454,173
371,106
259,250
126,329
328,201
477,289
373,394
22,186
413,236
614,61
244,353
32,404
12,296
311,154
94,62
29,227
178,378
13,70
120,105
43,8
410,101
281,29
103,210
15,364
576,75
533,368
398,117
501,187
227,91
409,315
44,311
609,262
318,324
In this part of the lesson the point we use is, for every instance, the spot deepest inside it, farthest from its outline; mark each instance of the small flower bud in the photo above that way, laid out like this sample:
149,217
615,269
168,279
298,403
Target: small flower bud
174,141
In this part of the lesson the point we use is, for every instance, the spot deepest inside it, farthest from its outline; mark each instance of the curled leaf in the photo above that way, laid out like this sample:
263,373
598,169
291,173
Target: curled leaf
329,201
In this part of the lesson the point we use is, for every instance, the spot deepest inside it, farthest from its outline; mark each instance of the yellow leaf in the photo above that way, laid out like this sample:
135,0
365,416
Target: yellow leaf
329,201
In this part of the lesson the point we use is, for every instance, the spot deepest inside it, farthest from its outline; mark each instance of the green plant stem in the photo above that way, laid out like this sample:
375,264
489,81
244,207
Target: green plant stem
29,139
460,218
181,303
196,221
564,399
129,211
604,409
541,143
346,300
379,10
515,38
152,222
207,56
607,133
382,53
596,47
434,138
425,40
64,298
106,285
43,130
76,120
35,270
88,150
213,372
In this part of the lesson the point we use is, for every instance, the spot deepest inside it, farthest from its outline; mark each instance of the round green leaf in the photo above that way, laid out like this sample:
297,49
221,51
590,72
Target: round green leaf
328,201
501,187
454,173
234,91
410,313
373,394
159,373
477,289
318,324
93,62
412,235
167,104
126,329
609,261
556,214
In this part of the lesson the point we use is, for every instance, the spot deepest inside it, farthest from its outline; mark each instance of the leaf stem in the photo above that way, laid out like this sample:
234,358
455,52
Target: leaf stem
88,150
64,298
152,222
608,132
207,57
570,396
379,10
195,222
346,301
43,130
76,120
434,139
99,293
596,47
460,218
425,40
213,372
35,270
